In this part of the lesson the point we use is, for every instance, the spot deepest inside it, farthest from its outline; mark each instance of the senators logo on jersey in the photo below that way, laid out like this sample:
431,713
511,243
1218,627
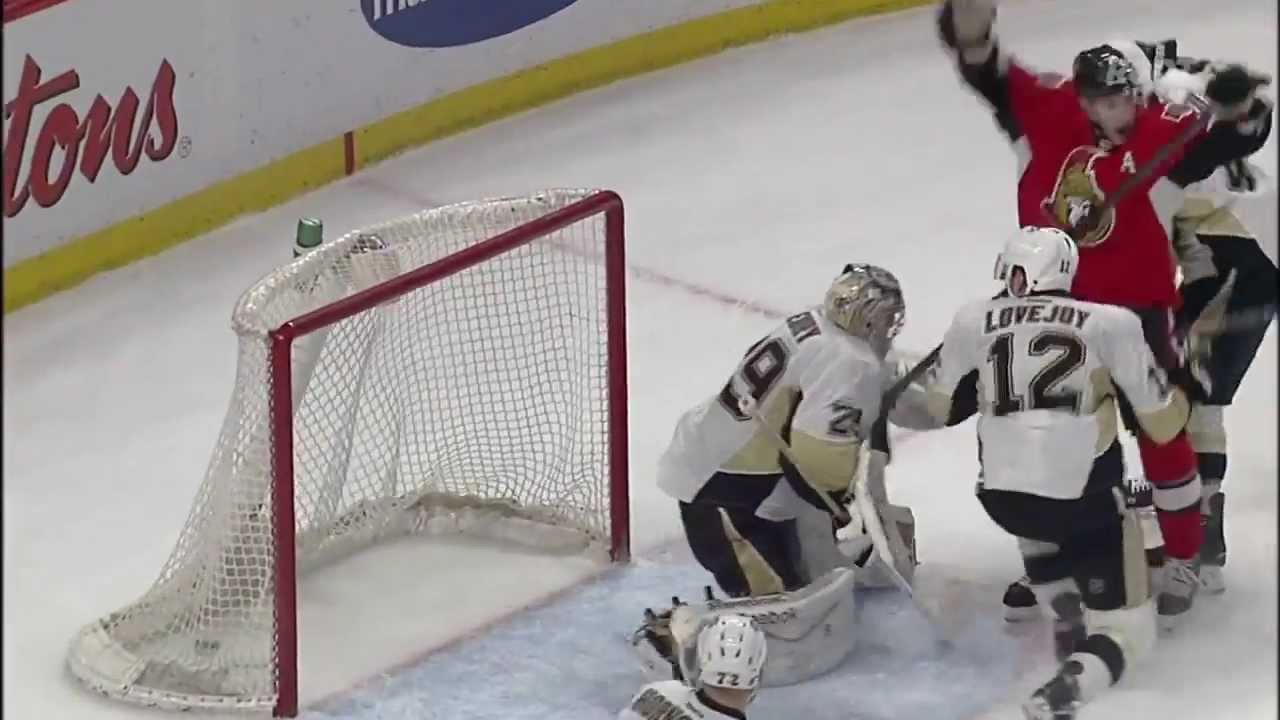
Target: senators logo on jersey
1076,204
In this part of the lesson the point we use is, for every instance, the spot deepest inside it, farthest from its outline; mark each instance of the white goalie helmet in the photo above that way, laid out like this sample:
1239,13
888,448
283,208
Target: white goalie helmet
731,653
1047,256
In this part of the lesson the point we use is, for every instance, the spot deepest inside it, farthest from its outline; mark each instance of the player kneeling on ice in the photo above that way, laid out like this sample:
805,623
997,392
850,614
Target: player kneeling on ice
763,467
1043,370
725,667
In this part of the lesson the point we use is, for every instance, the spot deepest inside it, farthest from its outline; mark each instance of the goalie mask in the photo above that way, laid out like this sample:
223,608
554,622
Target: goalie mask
866,302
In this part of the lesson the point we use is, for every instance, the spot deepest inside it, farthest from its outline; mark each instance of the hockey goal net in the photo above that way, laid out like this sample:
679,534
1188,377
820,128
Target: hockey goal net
458,370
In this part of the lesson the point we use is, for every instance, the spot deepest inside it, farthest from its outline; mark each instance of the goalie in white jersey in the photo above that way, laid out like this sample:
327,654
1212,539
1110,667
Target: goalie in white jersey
760,518
1043,370
726,669
816,381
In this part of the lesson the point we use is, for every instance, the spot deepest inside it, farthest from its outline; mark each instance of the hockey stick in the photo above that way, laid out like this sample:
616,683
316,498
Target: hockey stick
1215,319
870,518
879,440
1245,320
873,470
1143,174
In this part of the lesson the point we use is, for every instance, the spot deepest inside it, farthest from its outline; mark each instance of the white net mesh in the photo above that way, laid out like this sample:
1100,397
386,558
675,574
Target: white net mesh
476,402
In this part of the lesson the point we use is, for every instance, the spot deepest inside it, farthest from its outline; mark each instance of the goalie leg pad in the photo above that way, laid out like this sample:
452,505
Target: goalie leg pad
809,631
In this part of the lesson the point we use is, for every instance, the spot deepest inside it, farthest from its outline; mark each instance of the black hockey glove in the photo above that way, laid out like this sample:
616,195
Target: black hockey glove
966,27
947,26
1232,87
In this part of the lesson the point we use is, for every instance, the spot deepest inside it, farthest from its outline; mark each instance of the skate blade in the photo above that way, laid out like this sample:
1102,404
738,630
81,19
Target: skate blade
1036,709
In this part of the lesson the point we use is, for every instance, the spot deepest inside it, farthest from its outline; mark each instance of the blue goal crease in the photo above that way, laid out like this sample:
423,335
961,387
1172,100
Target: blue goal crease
571,660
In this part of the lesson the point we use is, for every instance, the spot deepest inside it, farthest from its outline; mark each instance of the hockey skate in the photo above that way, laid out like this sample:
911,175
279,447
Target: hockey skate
1058,699
1019,601
1213,553
1177,591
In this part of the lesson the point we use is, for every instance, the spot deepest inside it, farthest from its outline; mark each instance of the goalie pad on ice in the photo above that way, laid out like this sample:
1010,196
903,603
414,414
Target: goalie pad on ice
809,631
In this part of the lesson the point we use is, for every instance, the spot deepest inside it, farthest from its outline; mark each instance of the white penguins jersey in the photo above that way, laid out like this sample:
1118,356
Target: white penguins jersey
1047,369
673,700
816,385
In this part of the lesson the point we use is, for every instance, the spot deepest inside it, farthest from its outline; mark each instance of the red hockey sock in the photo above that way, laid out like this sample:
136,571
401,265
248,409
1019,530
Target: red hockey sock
1182,532
1172,471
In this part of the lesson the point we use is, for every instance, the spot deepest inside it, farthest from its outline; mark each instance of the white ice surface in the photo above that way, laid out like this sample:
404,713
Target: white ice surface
753,175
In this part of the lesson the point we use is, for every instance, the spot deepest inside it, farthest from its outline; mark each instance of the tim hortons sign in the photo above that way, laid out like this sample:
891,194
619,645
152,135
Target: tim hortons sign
67,139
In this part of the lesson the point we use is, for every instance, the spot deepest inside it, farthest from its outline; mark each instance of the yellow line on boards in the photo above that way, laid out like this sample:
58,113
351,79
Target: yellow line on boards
36,278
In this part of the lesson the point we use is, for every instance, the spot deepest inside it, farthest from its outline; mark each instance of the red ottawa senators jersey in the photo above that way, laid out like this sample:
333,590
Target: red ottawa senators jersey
1126,259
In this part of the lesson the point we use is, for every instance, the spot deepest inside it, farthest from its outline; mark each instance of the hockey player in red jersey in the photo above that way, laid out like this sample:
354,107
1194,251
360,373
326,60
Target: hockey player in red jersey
1217,255
1086,137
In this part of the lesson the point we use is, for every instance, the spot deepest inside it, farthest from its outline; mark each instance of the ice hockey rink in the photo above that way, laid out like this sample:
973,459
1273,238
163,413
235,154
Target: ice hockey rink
749,179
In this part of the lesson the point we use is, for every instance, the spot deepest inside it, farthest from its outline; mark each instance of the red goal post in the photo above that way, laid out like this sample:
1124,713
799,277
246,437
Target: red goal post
460,368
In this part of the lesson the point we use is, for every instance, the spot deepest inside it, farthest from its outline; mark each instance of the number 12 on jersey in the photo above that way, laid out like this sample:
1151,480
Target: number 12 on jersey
1043,392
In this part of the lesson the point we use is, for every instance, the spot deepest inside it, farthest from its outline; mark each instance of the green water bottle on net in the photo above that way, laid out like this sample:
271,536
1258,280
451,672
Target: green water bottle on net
309,236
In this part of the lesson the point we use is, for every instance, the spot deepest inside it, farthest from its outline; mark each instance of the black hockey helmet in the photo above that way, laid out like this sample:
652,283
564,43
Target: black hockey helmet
1103,70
